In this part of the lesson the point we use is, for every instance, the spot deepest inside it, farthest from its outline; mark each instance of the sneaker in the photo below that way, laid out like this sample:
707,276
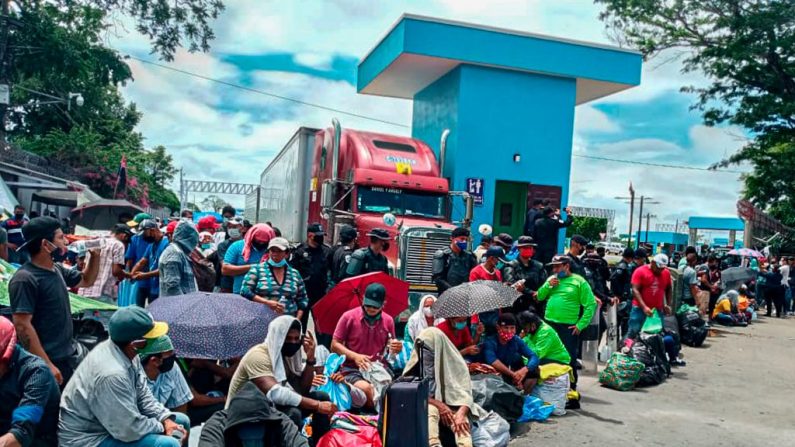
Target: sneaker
678,362
573,405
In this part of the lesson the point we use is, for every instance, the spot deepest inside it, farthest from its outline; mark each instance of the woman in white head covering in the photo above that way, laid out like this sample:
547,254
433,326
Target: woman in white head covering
421,319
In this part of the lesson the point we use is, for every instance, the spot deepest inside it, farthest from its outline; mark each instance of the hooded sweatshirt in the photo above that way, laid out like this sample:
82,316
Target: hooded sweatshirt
176,274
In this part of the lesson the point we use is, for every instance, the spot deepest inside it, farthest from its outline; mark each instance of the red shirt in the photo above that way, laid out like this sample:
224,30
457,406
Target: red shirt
361,338
652,287
461,339
480,272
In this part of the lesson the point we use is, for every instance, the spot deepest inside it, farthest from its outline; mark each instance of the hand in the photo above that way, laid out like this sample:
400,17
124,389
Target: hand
667,310
470,350
567,210
319,380
309,345
9,440
554,281
647,310
615,300
95,252
395,347
461,422
171,426
137,276
519,286
362,362
598,302
275,306
446,415
574,330
519,376
480,329
326,408
337,378
56,373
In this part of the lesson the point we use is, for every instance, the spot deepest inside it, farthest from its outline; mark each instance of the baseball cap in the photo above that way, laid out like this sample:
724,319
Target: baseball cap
504,240
347,232
148,224
379,233
134,323
460,231
661,260
560,259
207,223
140,217
525,241
579,239
374,295
628,253
641,253
280,243
171,226
494,251
37,229
121,228
156,346
316,228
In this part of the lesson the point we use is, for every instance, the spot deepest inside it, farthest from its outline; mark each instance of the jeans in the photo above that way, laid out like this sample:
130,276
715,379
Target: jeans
572,344
670,348
152,440
788,300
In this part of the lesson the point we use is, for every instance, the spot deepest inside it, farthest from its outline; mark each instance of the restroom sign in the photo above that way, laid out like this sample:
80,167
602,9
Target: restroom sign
475,189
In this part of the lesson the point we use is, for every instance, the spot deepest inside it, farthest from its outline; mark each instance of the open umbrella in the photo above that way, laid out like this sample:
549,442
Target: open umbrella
349,293
472,298
212,325
102,214
746,252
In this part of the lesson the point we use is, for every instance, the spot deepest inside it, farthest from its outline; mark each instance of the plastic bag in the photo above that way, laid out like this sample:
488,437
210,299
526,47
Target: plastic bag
379,378
338,393
553,391
493,394
621,373
491,431
653,323
128,293
535,410
400,360
650,349
365,437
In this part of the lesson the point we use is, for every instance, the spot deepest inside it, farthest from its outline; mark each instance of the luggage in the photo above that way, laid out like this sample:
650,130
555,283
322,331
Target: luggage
403,421
365,437
493,394
650,350
621,373
692,329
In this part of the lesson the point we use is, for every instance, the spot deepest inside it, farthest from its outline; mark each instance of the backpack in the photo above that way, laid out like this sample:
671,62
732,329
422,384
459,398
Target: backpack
203,271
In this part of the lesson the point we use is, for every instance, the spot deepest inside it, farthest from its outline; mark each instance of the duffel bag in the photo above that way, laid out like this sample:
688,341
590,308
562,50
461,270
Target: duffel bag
621,373
493,394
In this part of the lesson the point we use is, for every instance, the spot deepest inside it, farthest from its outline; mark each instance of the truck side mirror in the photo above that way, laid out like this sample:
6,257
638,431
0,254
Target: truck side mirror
327,195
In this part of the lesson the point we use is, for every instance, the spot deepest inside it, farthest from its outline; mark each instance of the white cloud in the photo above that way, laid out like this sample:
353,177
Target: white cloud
589,119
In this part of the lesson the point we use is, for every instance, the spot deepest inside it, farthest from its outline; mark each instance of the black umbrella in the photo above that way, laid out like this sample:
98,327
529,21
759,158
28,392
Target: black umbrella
213,325
473,298
102,214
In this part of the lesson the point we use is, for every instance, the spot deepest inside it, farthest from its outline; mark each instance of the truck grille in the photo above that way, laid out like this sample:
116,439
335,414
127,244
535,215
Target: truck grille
419,259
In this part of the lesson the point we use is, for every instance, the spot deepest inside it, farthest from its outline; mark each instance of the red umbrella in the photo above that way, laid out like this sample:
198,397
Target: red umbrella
349,293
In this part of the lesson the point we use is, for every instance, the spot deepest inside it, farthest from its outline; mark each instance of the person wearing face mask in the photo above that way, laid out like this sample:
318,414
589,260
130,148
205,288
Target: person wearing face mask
244,254
488,271
277,368
108,403
205,263
525,274
175,270
234,233
40,299
370,259
510,356
576,251
147,269
165,381
451,265
542,339
341,254
458,332
275,284
13,228
421,319
311,259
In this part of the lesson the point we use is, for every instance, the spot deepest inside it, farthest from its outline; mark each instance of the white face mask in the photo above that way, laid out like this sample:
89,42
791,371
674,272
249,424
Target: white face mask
234,233
427,311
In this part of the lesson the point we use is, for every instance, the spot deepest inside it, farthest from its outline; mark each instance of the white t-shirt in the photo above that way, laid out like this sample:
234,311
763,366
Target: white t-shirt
784,270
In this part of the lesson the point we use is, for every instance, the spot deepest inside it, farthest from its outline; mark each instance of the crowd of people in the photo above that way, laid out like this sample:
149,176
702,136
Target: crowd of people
133,390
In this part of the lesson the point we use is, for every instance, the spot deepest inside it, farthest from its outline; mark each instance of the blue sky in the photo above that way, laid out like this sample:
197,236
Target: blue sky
309,51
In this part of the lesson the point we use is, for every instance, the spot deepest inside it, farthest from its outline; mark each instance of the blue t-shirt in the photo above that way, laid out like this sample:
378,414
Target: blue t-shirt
153,256
234,256
510,354
135,251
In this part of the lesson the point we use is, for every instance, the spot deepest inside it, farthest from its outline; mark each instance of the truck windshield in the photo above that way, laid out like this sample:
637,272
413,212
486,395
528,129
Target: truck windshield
402,202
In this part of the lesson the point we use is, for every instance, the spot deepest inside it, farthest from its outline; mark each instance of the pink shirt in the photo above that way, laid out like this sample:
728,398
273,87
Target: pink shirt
361,338
480,272
652,287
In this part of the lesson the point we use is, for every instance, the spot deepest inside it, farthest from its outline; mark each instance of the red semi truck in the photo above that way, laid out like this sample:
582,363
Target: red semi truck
341,176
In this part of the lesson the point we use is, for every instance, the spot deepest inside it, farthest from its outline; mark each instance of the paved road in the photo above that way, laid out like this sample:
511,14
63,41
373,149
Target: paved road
738,391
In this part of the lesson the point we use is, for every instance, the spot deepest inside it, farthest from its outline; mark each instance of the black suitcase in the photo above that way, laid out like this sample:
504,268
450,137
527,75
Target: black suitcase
404,410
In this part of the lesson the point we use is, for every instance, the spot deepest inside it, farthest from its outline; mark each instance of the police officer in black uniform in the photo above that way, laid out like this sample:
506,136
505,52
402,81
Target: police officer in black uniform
370,259
576,251
621,287
451,265
526,275
341,254
310,258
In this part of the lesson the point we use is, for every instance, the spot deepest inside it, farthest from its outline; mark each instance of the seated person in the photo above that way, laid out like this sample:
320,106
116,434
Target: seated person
419,320
276,367
726,312
507,353
107,403
450,389
745,304
457,331
542,339
361,336
29,411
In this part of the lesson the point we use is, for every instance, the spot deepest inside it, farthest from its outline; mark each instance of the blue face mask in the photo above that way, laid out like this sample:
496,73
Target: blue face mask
562,274
462,245
460,325
281,263
206,246
500,265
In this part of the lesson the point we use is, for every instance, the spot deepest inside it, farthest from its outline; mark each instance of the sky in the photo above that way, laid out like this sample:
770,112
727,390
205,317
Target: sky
309,51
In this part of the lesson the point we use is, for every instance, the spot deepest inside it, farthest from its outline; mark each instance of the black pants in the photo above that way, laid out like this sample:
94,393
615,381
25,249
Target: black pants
775,298
200,415
713,300
572,344
321,423
143,295
67,368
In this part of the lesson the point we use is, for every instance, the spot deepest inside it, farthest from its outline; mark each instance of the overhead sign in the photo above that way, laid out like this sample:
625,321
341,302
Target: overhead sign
475,189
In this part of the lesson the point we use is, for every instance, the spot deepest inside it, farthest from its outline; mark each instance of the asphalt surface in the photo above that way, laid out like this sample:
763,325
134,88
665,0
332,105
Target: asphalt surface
737,390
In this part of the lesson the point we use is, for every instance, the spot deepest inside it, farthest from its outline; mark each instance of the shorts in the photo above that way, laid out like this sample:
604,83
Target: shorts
352,375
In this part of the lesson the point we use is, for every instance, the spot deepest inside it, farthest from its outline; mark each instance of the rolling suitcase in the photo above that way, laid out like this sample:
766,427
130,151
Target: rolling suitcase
404,410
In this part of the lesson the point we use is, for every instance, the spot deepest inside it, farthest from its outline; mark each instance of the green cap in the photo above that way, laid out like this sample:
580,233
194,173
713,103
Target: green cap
374,295
140,217
134,323
156,346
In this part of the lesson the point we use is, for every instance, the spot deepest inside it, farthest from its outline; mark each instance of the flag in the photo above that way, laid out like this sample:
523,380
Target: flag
121,177
631,189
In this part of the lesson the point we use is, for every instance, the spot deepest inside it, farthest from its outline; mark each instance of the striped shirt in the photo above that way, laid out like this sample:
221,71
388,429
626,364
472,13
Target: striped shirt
260,281
105,284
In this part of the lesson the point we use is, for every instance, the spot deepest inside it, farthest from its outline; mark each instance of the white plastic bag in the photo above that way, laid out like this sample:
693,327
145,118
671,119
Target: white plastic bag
491,431
553,391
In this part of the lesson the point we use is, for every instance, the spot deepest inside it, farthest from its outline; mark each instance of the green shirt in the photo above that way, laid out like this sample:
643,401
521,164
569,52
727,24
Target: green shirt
547,345
566,299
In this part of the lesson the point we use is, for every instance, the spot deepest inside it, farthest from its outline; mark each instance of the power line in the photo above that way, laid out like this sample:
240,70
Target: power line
272,95
659,165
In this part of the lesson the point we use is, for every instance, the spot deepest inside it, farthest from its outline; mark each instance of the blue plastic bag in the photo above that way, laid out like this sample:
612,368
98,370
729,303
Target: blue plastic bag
338,393
128,291
398,363
535,410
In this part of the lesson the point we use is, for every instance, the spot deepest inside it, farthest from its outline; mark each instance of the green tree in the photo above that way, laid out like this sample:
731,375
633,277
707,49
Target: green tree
588,227
213,203
746,48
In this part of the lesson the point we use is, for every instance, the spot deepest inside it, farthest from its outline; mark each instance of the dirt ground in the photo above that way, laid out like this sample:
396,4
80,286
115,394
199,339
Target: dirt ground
737,390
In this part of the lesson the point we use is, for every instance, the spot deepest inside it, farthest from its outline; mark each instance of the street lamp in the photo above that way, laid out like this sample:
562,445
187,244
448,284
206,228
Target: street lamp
78,98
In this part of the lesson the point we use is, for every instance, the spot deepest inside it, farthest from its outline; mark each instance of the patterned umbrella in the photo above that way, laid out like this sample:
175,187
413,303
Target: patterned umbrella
212,325
746,252
473,298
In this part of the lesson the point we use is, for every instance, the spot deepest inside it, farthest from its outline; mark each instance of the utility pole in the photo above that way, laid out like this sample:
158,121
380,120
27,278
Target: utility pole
648,219
631,199
640,222
5,68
